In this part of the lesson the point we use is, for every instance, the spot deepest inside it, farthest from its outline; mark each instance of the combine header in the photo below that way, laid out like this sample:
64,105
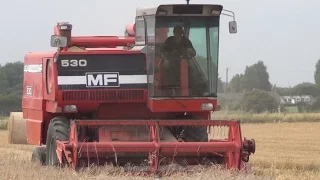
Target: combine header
146,98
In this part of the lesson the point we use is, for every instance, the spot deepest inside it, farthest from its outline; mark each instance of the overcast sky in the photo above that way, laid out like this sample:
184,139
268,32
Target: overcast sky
283,33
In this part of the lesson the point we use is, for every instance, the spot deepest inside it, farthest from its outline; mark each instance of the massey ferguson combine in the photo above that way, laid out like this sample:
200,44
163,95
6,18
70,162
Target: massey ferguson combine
146,98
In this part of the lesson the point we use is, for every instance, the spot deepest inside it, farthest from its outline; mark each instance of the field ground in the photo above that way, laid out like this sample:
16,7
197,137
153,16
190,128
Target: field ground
283,151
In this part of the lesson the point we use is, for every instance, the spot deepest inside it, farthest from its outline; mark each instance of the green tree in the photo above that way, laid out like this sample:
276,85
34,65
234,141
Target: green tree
236,83
256,77
11,82
306,88
263,75
284,91
250,79
316,105
258,101
11,75
304,107
220,85
317,74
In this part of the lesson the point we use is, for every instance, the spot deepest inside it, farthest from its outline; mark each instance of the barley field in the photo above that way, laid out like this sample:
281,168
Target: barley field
284,151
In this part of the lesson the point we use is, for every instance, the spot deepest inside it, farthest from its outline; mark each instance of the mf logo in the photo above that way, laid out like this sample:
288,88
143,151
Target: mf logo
102,79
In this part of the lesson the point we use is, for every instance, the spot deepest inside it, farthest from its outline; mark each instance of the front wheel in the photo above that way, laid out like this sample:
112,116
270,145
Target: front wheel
58,129
39,155
191,133
196,134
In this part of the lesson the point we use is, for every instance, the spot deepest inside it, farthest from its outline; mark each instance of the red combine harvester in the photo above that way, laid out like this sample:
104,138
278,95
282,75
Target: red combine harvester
108,99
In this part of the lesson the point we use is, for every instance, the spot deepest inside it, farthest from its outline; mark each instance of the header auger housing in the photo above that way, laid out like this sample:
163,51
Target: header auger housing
109,99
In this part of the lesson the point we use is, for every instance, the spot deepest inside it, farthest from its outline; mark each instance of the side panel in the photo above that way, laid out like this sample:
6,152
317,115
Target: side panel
32,99
33,126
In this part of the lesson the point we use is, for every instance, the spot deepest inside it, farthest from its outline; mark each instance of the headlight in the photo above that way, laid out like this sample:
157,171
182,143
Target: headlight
207,106
70,108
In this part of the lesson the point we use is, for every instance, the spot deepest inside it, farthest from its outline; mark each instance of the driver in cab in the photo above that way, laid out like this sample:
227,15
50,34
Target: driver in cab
177,46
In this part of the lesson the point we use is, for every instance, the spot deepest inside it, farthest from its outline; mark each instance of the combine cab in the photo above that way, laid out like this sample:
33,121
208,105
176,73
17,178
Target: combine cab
131,99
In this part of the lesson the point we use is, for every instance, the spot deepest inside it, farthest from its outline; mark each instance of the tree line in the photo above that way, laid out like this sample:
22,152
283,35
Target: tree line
256,76
259,94
11,83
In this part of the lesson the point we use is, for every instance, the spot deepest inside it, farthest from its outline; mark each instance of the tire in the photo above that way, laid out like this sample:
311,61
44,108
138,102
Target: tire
193,133
196,134
58,129
39,155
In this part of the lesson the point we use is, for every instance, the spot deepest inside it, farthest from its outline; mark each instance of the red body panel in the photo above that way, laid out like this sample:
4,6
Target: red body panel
102,41
177,105
33,102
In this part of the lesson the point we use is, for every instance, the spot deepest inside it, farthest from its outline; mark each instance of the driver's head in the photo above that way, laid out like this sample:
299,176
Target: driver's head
178,33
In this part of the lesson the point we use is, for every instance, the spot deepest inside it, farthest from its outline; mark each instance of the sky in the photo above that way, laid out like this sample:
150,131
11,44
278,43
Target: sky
282,33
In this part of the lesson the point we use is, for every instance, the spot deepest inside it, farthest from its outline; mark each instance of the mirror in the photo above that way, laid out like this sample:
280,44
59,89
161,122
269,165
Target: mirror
58,41
233,27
